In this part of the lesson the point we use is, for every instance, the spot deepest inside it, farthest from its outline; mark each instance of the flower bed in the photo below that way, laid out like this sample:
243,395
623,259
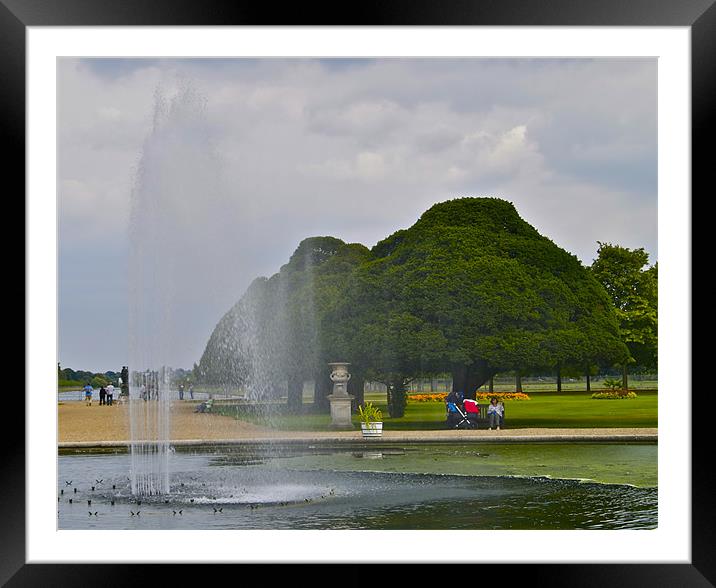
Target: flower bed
618,395
437,397
502,396
481,396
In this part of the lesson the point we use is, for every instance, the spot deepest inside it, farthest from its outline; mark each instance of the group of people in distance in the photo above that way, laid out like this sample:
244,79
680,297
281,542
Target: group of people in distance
495,410
106,395
181,391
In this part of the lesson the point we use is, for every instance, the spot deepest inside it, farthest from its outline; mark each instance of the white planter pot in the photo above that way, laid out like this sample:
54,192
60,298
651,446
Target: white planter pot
372,429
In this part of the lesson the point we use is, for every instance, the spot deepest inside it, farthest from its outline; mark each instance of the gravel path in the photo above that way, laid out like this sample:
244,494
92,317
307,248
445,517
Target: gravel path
80,425
77,422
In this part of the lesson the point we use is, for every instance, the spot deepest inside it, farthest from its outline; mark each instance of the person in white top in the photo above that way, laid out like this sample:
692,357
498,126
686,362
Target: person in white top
110,394
496,412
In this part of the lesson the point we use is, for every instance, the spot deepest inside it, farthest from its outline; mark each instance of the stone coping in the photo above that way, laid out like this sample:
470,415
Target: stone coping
446,436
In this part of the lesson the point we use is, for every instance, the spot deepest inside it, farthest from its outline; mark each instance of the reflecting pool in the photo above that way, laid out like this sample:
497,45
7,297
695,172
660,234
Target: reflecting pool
412,487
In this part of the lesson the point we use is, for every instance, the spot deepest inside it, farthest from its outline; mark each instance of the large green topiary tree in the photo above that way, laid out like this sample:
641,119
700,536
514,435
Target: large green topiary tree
275,335
473,289
311,284
470,289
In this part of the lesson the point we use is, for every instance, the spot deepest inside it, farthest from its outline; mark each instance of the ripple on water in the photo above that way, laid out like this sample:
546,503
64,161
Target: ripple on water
259,496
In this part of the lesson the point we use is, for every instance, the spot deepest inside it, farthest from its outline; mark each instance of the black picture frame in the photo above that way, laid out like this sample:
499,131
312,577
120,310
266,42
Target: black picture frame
699,15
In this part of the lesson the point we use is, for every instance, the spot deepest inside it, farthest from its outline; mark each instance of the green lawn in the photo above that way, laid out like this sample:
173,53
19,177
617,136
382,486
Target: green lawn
544,410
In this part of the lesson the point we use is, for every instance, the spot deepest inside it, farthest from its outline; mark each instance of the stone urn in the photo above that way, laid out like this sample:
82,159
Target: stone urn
340,377
340,399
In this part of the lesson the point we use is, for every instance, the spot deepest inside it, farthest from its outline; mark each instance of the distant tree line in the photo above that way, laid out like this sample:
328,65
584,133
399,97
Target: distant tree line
69,377
470,290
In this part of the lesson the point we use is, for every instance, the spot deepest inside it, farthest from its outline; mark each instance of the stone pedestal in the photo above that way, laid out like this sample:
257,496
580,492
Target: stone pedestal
340,399
341,411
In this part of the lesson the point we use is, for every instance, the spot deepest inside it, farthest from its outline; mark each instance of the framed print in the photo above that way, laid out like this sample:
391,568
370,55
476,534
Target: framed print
176,154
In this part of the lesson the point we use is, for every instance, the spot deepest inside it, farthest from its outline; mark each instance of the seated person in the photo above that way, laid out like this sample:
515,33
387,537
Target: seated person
455,397
496,412
453,401
204,406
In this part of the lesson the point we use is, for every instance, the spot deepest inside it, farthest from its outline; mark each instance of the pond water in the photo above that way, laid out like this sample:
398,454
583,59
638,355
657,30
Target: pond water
488,486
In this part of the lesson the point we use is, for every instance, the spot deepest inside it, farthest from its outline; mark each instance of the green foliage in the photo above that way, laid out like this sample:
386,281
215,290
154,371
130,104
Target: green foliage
98,381
397,397
613,384
472,282
70,383
368,413
633,288
280,329
67,377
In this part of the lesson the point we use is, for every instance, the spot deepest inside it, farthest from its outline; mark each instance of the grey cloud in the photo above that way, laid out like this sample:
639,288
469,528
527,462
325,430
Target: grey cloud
439,139
355,149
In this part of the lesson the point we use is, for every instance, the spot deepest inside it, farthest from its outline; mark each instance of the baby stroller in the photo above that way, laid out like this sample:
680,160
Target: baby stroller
472,411
462,418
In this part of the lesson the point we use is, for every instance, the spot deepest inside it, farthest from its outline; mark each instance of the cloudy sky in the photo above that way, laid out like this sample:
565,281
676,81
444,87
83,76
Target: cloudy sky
253,155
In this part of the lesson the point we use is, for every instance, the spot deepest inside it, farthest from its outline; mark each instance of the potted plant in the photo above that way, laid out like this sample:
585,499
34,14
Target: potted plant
371,420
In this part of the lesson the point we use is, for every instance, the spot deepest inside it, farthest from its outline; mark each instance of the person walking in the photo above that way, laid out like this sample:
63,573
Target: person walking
110,395
181,391
88,394
496,412
102,395
191,391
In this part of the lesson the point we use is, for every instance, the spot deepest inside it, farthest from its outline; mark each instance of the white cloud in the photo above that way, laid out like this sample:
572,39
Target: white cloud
365,166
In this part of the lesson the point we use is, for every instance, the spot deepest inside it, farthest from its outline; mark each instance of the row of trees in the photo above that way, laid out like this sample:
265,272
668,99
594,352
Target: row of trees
69,377
470,289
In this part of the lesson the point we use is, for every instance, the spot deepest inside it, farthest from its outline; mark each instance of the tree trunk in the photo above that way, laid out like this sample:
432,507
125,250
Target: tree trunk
625,378
589,385
356,388
433,385
492,384
467,379
459,378
559,380
323,388
396,398
518,382
294,399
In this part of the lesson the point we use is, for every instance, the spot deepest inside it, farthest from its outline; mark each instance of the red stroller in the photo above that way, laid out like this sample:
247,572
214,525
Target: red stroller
472,411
